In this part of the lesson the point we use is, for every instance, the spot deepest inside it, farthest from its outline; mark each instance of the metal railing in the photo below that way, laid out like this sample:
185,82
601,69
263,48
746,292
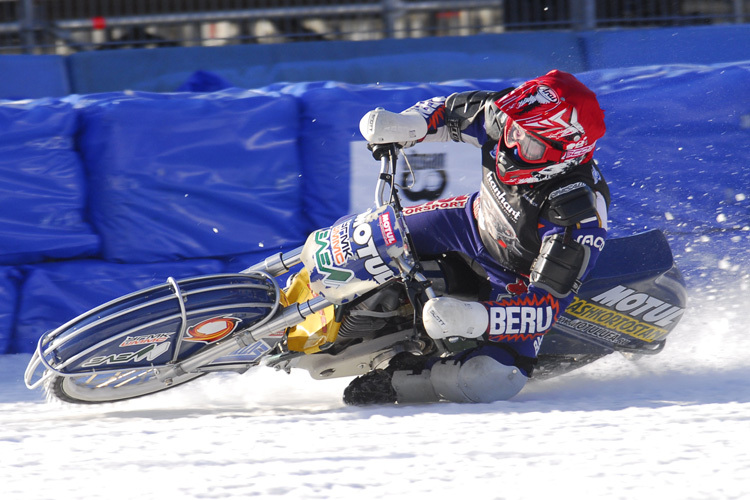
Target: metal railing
67,26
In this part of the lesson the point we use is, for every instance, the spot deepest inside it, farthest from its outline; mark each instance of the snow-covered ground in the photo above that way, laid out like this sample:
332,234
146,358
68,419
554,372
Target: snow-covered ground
670,426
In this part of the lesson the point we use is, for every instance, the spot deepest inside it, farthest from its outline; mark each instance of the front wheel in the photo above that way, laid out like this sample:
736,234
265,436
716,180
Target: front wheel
115,351
110,387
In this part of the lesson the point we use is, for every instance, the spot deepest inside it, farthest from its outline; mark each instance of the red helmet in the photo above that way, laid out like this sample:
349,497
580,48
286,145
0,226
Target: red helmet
550,125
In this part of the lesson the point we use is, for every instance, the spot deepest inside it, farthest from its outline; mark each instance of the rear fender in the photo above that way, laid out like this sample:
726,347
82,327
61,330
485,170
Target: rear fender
631,301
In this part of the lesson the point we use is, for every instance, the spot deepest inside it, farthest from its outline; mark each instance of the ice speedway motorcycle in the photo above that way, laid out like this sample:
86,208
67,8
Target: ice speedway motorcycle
351,300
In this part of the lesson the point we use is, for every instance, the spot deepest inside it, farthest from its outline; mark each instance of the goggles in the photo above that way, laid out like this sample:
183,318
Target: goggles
530,148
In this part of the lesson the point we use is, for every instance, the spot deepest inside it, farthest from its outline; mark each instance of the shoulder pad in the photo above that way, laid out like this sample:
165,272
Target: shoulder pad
465,102
568,205
462,108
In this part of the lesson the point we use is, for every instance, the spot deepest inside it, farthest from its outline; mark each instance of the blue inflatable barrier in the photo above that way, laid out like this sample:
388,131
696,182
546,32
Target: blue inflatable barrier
42,184
107,193
180,176
9,280
204,81
676,146
56,292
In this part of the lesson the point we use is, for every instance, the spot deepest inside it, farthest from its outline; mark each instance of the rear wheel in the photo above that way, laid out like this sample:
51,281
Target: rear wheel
111,386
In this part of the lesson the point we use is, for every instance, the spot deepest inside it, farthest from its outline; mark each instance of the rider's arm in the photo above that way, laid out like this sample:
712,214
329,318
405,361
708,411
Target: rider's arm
519,321
555,275
461,117
573,232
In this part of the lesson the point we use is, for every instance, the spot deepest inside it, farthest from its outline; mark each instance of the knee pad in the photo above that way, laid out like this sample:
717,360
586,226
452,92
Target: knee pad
481,379
448,317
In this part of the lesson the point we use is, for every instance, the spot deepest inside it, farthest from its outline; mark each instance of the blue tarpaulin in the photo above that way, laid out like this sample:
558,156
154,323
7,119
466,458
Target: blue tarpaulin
175,176
105,193
42,184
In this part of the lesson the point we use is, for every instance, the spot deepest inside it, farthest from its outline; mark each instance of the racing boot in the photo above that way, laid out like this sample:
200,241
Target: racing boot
372,388
377,387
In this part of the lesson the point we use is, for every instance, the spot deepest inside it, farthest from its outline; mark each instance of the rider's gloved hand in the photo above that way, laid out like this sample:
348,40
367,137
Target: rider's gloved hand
385,127
448,317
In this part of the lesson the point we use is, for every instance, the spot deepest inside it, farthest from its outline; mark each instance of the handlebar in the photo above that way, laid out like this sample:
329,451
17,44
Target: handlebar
388,155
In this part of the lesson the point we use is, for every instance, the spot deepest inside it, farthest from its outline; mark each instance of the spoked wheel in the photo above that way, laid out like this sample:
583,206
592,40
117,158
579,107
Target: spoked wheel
112,386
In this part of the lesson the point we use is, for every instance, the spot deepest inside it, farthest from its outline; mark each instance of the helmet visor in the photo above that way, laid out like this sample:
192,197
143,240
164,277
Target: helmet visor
530,148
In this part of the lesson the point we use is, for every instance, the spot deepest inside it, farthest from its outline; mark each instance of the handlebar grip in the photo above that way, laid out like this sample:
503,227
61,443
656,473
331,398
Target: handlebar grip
381,150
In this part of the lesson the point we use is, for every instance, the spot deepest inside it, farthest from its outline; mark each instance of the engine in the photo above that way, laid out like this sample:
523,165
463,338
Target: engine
384,309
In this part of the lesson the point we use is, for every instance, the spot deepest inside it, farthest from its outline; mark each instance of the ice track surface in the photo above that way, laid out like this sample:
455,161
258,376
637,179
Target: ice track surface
670,426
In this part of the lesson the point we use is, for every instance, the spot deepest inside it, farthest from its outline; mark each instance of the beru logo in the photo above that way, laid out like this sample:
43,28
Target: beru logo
521,318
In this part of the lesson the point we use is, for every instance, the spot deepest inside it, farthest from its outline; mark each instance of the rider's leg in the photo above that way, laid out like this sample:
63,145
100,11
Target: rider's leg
480,375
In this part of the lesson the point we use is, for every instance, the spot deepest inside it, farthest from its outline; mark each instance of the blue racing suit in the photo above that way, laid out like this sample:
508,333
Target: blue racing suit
501,228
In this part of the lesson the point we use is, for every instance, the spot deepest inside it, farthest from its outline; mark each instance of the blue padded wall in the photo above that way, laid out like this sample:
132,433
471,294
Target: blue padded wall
9,282
32,77
56,292
105,193
391,60
176,176
42,184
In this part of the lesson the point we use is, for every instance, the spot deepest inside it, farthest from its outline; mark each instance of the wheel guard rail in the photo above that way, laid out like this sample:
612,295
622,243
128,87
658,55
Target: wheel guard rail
157,328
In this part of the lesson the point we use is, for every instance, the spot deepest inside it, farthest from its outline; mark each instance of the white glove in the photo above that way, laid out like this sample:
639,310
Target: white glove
448,317
384,127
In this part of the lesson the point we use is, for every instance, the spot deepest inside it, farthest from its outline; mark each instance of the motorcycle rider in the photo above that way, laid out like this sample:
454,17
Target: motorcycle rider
536,228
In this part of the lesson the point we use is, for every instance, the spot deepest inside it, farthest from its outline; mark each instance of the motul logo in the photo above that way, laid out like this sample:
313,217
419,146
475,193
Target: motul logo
387,229
636,304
